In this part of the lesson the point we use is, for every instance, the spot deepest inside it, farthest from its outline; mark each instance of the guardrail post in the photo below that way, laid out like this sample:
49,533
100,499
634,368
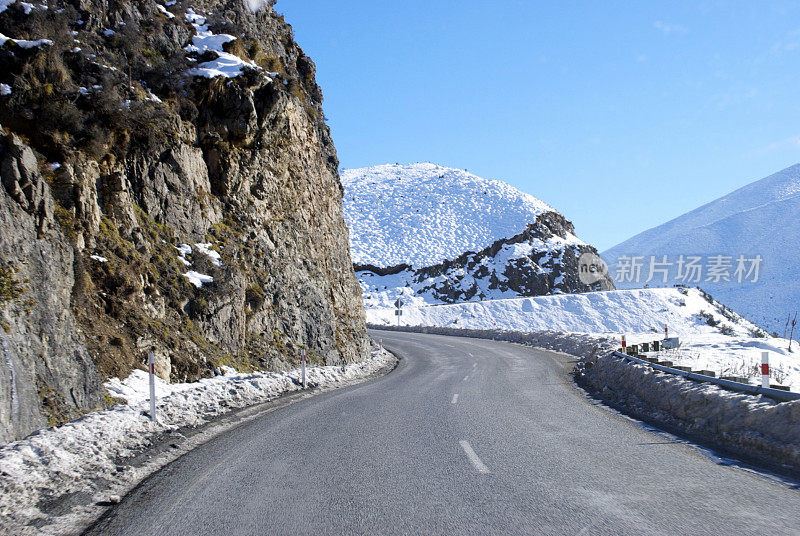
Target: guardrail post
765,370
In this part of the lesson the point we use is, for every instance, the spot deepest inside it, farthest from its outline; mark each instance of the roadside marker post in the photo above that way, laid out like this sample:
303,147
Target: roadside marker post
151,362
398,312
624,344
303,361
666,332
765,370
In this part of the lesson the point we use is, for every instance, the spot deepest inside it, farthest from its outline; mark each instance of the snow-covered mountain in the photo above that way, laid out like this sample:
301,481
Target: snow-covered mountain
423,214
761,219
439,235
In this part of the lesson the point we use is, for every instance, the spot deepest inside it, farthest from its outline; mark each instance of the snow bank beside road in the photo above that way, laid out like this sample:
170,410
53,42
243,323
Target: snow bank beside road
576,344
87,456
750,425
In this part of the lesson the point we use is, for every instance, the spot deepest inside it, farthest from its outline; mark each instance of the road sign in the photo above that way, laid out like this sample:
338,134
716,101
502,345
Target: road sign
398,303
398,312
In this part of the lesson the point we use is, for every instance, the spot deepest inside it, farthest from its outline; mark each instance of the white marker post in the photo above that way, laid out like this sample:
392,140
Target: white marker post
398,311
151,361
303,361
624,344
765,370
666,332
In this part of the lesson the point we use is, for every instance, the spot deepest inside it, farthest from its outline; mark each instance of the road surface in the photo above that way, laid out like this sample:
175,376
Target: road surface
466,436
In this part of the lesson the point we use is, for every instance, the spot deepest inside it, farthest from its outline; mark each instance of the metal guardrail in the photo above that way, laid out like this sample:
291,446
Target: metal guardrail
775,394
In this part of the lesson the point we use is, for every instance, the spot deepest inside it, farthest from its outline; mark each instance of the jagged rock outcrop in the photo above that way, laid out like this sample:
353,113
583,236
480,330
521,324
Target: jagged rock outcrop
541,260
114,155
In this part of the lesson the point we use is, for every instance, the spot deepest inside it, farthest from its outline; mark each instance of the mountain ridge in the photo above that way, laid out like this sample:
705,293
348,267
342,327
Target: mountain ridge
755,220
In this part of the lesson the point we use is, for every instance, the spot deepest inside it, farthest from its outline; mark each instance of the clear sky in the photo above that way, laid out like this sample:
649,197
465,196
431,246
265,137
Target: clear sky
621,115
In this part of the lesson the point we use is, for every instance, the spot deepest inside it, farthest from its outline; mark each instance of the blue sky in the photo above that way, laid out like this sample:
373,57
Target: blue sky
622,115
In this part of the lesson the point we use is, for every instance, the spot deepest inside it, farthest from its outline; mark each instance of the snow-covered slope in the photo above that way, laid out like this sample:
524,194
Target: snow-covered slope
762,218
712,336
423,214
604,313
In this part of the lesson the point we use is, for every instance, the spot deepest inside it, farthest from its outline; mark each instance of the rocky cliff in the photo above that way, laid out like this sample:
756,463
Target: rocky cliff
168,185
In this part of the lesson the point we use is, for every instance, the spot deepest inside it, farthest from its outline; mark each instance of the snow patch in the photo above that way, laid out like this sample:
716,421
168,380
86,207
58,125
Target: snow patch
5,89
197,279
256,5
226,64
214,256
164,10
23,43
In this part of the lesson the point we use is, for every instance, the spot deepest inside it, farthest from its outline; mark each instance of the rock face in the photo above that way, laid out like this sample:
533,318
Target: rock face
153,160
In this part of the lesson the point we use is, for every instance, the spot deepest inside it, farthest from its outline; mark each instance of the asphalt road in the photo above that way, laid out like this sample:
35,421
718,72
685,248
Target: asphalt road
465,436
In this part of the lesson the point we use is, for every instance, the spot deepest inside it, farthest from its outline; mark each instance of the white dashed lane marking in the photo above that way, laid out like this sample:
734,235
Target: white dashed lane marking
473,458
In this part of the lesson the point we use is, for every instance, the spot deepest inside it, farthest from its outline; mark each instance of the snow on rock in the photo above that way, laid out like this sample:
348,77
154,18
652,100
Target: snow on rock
762,218
5,89
98,258
197,279
23,43
226,64
204,248
183,250
256,5
87,456
164,11
214,256
5,3
422,214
